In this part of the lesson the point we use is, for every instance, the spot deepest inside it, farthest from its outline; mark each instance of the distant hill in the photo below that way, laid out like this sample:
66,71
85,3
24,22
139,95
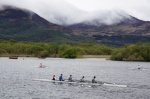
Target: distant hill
23,25
131,26
128,30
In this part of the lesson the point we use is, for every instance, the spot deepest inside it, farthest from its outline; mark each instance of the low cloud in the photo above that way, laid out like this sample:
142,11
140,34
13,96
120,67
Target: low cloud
59,12
64,13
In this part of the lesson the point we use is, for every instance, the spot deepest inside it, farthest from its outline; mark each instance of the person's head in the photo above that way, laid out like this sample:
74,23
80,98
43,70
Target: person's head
82,76
70,75
53,75
94,76
61,74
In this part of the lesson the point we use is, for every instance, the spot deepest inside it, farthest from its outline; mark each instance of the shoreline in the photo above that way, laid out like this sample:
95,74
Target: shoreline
95,56
80,56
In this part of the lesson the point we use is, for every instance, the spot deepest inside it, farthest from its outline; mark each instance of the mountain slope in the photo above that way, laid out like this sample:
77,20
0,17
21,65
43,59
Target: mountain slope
24,25
126,26
127,30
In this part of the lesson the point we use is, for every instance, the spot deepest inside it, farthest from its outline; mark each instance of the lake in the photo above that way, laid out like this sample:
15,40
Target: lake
16,78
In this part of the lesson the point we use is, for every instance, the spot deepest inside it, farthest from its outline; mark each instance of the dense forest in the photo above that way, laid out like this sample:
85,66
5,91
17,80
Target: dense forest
12,47
131,52
120,40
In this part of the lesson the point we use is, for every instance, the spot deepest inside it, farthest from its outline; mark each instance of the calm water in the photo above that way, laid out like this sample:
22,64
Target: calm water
16,79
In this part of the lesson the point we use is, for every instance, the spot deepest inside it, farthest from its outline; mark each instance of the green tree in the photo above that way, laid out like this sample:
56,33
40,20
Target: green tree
62,48
69,53
2,51
43,53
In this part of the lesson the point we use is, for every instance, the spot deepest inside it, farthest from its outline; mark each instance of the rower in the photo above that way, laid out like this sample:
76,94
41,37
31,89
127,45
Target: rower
41,65
70,78
54,77
61,77
93,80
82,79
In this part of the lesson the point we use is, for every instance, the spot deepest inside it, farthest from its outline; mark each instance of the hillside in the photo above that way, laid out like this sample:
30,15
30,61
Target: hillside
131,26
129,30
23,25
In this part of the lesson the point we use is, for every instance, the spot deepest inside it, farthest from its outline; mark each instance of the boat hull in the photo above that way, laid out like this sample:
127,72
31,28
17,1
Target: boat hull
13,57
81,83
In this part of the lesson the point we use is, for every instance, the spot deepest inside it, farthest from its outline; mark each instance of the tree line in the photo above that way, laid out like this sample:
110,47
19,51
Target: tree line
130,52
12,47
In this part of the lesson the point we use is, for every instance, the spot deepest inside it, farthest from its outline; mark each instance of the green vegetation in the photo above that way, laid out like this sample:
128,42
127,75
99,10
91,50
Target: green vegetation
42,49
132,52
21,25
67,51
121,40
29,31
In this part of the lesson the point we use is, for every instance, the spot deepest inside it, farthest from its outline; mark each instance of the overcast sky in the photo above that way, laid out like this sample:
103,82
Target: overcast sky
76,10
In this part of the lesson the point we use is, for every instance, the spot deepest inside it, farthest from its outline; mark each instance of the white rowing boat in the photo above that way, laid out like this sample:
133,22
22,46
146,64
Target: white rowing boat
81,83
57,81
114,85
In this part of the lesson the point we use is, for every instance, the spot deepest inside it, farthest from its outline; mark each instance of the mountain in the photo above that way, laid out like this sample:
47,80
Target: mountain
127,30
24,25
127,26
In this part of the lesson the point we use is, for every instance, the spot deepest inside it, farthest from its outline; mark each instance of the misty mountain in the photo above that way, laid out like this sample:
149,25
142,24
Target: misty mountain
115,29
126,30
16,14
124,25
24,25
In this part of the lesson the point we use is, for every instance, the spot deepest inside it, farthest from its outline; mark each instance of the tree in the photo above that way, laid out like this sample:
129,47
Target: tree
69,53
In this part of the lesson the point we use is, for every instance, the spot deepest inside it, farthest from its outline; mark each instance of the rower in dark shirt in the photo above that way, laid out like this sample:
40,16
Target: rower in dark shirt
93,80
82,79
70,78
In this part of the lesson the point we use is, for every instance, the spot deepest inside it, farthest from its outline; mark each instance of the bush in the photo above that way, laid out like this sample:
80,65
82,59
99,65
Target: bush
133,52
69,53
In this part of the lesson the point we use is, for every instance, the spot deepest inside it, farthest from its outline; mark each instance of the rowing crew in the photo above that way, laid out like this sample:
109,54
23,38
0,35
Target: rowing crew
70,78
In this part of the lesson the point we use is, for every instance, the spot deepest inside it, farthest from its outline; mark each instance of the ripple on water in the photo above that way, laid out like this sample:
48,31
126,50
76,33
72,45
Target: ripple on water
16,79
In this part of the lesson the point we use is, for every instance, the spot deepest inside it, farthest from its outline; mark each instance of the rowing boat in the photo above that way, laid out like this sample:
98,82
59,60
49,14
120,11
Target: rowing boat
114,85
54,81
81,83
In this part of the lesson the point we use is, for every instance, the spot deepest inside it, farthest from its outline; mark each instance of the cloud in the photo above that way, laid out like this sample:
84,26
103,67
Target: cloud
56,11
66,12
137,8
106,17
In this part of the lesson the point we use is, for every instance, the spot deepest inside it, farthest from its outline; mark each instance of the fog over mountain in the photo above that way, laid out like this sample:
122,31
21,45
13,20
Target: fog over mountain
107,27
65,13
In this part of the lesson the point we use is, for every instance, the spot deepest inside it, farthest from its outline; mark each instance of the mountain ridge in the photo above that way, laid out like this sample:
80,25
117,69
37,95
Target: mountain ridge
14,14
24,25
132,26
28,25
